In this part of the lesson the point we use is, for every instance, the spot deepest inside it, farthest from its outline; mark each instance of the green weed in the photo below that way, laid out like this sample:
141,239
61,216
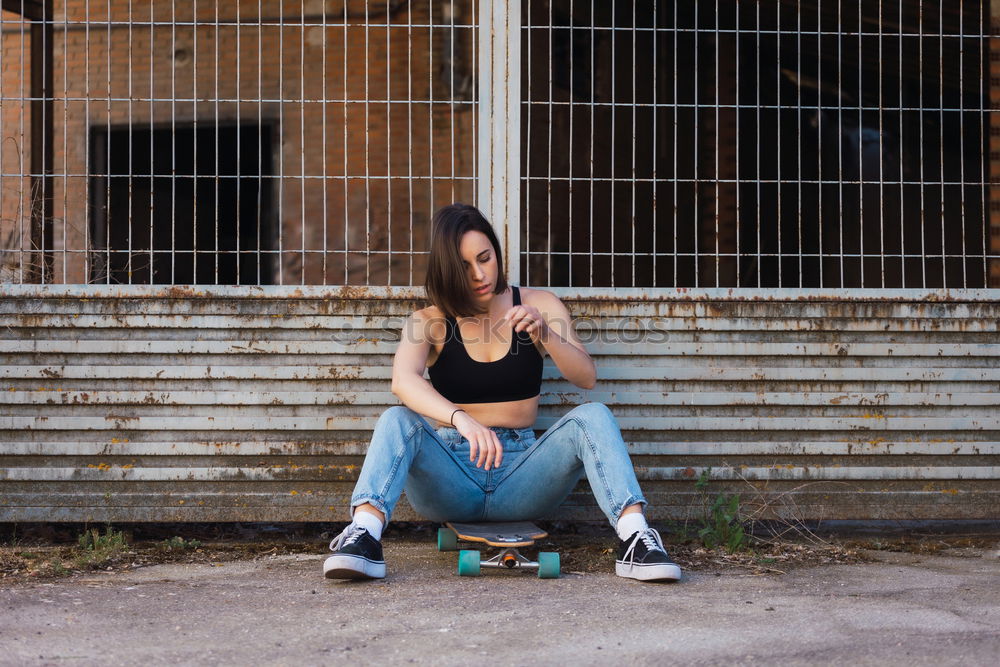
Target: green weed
13,540
721,524
177,543
95,549
57,567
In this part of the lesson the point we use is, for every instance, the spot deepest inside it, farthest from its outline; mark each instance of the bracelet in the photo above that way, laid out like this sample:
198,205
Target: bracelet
452,420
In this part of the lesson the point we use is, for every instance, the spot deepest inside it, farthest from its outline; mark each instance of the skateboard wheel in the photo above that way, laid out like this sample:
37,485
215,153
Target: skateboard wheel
548,565
447,539
468,563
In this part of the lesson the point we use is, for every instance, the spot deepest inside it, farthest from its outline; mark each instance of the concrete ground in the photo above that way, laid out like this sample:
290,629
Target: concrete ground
905,609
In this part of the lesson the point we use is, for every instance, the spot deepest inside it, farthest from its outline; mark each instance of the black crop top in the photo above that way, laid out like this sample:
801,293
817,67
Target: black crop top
461,379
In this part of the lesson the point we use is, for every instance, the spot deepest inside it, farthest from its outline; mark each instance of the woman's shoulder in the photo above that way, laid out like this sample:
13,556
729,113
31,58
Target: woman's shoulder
431,312
432,320
535,296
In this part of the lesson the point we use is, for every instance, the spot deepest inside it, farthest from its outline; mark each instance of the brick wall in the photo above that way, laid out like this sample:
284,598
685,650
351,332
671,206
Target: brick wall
283,67
15,218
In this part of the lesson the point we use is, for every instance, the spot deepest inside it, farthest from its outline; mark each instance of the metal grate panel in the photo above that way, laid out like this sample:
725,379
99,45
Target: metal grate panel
248,142
218,404
831,144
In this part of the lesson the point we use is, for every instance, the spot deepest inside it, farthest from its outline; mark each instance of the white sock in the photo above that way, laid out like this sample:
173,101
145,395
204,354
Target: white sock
630,524
369,522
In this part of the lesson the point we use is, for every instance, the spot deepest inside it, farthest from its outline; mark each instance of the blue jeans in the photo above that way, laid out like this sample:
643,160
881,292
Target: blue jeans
535,475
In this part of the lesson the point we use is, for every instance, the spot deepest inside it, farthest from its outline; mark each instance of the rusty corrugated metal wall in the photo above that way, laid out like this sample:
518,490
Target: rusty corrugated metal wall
132,403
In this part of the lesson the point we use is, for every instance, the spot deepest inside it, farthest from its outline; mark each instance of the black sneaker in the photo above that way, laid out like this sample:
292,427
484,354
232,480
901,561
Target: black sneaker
356,555
643,557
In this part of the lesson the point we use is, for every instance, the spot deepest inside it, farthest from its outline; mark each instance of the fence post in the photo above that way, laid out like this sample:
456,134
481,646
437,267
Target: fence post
498,190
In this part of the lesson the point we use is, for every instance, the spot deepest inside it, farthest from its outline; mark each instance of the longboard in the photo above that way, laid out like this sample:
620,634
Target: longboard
507,536
510,534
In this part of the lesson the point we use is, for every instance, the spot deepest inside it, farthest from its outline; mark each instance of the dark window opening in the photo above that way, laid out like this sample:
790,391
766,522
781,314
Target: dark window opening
168,208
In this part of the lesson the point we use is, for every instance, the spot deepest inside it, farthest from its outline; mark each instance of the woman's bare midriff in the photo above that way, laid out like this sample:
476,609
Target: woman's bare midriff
508,414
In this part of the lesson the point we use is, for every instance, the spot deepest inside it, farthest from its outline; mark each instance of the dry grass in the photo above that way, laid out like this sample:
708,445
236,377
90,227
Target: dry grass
22,562
584,548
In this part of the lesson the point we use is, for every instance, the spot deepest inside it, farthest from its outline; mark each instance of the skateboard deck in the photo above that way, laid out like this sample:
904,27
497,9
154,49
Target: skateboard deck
506,534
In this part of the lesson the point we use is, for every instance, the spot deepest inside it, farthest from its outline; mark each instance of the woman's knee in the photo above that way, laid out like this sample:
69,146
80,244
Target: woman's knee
398,413
398,418
593,413
599,425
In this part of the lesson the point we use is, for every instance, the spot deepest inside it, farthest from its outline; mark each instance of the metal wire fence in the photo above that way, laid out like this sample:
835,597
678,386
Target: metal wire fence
240,142
824,143
832,143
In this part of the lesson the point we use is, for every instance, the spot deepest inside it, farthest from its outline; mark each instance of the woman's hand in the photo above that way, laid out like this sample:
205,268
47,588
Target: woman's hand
527,318
484,444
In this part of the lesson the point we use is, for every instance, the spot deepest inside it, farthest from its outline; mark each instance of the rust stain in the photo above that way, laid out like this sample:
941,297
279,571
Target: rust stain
344,372
180,292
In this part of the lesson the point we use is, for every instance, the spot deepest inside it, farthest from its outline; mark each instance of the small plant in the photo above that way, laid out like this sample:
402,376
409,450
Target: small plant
57,568
721,523
683,533
13,539
177,543
96,549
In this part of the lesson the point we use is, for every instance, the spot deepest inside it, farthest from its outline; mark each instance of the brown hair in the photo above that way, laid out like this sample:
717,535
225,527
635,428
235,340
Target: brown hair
447,283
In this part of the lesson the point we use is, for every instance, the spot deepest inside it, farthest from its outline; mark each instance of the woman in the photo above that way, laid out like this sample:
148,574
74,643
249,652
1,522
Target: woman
463,446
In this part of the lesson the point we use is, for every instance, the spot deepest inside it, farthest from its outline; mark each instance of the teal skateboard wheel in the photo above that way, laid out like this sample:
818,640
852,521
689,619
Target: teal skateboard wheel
548,565
447,539
468,563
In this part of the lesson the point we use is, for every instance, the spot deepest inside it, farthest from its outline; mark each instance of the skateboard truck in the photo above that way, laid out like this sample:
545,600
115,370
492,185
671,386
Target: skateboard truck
505,536
509,558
